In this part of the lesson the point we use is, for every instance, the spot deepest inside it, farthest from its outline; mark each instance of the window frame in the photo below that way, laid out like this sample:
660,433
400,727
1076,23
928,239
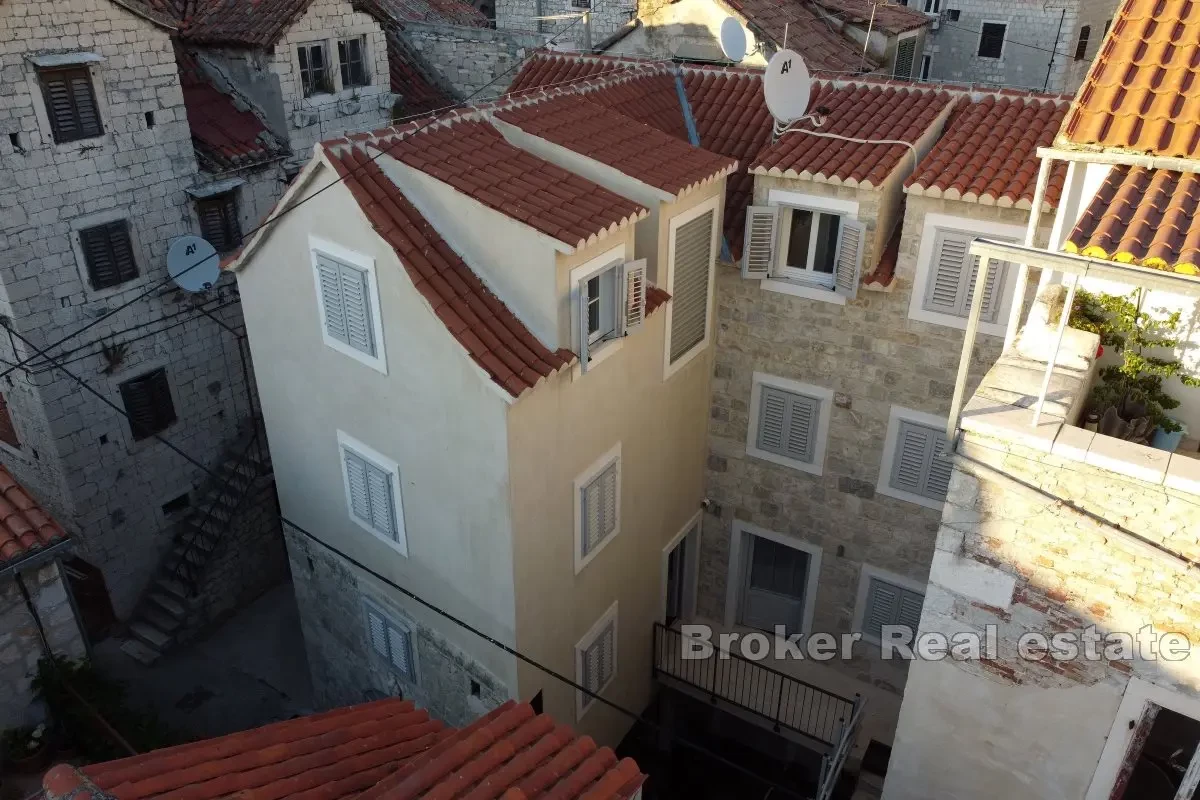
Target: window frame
926,270
384,464
229,207
917,56
737,571
869,573
983,32
364,61
883,485
81,67
400,623
358,260
784,200
613,258
823,396
146,372
583,703
85,261
331,74
712,204
926,66
1083,42
593,471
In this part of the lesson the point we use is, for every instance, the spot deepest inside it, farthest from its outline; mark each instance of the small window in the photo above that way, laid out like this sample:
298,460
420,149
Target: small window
933,6
788,423
889,604
906,55
950,286
602,305
807,246
148,403
611,304
691,271
775,585
598,506
70,104
108,254
8,431
920,463
352,60
991,39
1081,46
581,3
926,67
219,221
391,642
315,74
346,304
373,495
596,659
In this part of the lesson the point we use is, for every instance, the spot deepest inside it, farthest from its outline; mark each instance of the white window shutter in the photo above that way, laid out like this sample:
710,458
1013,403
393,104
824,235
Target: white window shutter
787,424
633,279
940,468
759,242
909,612
848,264
376,630
910,462
691,270
944,291
398,644
379,486
608,646
356,477
991,297
772,419
581,312
882,600
608,485
356,303
330,273
592,516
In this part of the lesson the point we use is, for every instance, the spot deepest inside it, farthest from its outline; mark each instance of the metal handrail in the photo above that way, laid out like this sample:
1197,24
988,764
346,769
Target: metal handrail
833,709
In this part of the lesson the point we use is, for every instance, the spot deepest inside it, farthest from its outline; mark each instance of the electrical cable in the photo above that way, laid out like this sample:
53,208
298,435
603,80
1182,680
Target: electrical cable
852,139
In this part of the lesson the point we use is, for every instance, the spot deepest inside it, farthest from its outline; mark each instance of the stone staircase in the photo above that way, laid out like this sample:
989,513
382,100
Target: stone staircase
162,613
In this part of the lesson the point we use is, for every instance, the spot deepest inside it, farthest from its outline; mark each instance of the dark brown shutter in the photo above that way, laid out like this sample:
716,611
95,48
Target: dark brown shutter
71,104
8,432
219,221
148,403
108,254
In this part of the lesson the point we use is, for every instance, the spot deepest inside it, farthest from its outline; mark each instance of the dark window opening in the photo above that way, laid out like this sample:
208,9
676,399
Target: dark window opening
991,39
954,14
1081,46
353,61
70,104
15,140
178,504
476,689
148,403
536,703
315,77
8,432
581,3
219,221
149,119
108,254
1164,744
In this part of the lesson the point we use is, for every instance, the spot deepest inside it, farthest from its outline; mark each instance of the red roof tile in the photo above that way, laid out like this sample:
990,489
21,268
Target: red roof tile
1145,217
495,339
519,755
544,69
865,111
988,153
640,151
1143,90
818,40
887,16
25,527
224,135
476,160
386,750
242,23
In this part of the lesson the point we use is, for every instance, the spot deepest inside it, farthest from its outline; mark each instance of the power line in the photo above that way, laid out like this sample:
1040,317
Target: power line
282,212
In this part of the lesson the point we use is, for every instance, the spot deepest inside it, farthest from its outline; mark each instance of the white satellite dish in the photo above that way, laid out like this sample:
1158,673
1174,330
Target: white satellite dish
193,264
787,86
733,40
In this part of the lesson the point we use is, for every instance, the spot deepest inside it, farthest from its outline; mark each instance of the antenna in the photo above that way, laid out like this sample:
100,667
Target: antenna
787,86
733,40
193,264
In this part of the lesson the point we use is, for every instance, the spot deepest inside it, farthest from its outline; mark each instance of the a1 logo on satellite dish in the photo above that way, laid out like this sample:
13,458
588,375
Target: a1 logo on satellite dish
787,86
193,264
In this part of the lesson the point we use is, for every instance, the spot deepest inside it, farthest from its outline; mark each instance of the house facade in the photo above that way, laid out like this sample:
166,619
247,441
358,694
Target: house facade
1071,544
553,445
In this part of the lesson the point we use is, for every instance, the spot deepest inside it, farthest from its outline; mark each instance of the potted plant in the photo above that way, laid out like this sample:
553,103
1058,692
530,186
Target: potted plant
1130,400
27,749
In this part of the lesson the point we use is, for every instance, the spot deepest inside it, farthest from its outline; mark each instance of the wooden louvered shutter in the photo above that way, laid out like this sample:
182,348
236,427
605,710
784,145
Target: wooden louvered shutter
379,487
399,644
919,464
944,289
690,284
608,647
848,264
330,275
787,424
356,305
991,297
633,282
906,53
148,404
377,631
70,104
581,315
108,254
909,612
360,494
219,221
759,242
882,601
598,509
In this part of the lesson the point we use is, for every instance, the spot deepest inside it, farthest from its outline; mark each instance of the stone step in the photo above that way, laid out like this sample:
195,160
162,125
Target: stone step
168,603
160,619
140,651
172,587
149,634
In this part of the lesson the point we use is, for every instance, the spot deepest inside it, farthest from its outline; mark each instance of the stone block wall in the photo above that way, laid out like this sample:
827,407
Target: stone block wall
20,641
606,18
330,593
349,110
470,59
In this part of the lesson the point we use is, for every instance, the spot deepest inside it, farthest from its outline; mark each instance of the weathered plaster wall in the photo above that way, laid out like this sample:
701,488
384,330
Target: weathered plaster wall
469,59
606,18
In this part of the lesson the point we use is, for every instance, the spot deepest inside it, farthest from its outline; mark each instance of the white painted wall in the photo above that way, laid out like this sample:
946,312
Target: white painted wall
435,413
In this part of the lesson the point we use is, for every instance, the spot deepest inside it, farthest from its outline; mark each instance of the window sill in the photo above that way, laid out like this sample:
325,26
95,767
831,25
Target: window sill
801,466
598,356
899,494
951,321
809,291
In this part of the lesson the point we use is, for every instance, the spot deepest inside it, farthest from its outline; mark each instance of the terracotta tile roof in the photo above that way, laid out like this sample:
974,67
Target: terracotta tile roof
411,81
640,151
445,12
868,111
819,41
495,339
1143,90
1145,217
543,69
25,527
242,23
988,153
888,17
515,754
474,158
650,98
223,135
386,750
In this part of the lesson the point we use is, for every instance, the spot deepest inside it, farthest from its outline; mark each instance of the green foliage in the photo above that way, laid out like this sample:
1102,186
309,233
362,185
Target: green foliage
24,741
1135,385
80,727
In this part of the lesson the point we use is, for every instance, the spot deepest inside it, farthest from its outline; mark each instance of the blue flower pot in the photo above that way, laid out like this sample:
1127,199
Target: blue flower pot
1168,441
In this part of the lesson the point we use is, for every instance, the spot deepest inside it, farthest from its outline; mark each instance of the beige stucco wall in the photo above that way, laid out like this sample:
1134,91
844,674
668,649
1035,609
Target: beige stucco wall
435,413
555,433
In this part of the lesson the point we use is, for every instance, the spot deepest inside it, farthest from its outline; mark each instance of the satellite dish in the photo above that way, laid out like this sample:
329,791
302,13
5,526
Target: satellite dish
193,264
787,86
733,40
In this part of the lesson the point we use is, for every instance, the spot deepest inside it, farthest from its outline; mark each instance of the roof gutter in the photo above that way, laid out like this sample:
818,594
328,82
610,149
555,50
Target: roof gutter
36,558
1173,163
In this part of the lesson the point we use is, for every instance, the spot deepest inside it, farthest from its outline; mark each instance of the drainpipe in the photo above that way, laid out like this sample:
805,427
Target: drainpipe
1035,218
